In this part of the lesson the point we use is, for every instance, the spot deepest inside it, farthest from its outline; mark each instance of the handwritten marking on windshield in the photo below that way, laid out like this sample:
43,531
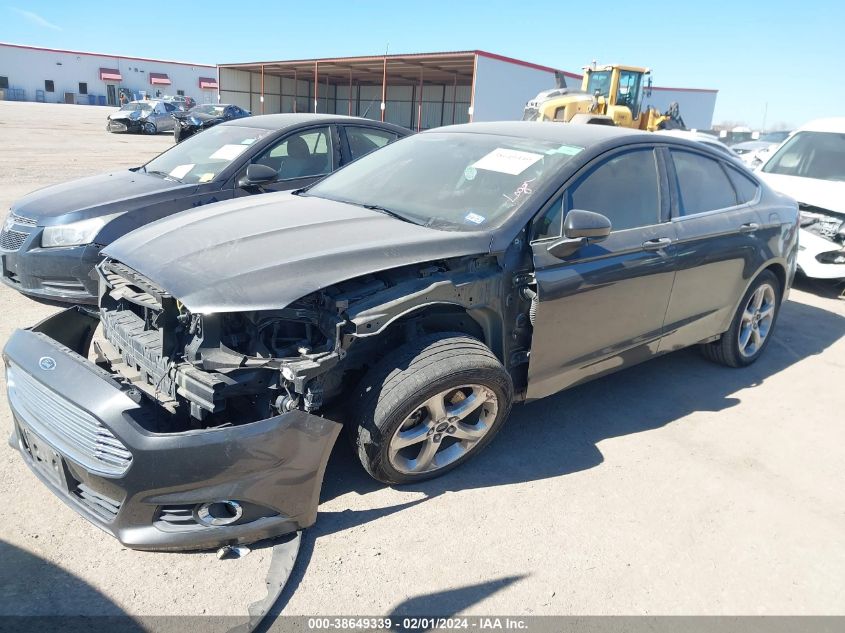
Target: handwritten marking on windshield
522,190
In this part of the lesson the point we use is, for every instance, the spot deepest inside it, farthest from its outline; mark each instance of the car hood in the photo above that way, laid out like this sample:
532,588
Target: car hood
265,253
826,194
96,196
125,114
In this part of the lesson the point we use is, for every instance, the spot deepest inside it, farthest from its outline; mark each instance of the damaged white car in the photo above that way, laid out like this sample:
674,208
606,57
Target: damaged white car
810,167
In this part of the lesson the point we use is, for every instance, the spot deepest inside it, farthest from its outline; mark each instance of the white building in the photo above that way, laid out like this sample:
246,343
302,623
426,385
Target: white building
419,91
30,73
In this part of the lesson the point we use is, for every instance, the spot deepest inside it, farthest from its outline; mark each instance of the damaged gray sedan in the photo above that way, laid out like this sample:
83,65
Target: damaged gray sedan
413,296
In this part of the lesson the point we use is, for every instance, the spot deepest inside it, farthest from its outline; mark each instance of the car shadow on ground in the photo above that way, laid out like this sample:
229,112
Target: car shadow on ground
830,289
36,595
560,433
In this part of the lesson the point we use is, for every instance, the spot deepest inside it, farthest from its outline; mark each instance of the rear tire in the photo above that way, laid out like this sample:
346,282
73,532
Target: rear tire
752,326
428,407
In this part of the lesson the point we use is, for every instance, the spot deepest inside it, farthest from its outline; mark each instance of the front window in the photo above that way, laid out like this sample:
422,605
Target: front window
599,80
208,108
819,155
628,93
201,158
455,181
136,105
774,137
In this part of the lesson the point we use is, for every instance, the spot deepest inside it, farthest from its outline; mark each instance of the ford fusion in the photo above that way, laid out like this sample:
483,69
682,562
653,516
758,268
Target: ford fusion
51,239
412,296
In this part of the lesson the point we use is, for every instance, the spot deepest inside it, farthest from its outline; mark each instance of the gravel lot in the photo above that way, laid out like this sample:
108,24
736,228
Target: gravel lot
678,487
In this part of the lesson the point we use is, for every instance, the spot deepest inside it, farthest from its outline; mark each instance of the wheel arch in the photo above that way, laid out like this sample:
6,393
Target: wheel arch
480,322
778,268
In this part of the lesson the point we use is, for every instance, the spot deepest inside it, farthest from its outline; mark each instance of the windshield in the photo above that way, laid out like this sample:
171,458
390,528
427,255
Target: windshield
819,155
773,137
131,107
455,181
599,80
209,109
202,157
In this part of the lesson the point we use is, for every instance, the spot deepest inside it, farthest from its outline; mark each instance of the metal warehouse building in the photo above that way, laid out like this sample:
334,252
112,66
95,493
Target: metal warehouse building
30,73
419,91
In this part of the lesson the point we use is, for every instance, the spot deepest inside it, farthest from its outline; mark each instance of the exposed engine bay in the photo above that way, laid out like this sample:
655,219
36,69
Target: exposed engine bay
218,370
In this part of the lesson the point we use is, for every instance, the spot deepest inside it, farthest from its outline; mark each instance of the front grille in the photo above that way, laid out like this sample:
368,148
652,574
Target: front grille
174,518
64,286
71,430
22,221
12,240
105,507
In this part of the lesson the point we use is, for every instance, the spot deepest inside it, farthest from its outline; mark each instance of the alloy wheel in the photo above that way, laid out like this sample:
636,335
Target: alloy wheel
442,429
757,319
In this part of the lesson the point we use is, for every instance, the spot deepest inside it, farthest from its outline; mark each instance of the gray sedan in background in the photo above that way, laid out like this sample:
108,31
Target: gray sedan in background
146,117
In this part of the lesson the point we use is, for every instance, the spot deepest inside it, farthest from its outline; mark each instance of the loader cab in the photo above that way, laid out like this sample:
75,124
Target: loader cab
619,85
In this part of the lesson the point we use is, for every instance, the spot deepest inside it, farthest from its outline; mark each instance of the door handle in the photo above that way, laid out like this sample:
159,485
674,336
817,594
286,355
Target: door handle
749,227
657,243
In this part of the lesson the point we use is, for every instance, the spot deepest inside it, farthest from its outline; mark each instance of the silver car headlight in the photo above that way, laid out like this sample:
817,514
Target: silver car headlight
74,234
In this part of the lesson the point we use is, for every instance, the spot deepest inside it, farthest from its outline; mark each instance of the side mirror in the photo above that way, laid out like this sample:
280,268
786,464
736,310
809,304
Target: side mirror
579,229
586,224
258,174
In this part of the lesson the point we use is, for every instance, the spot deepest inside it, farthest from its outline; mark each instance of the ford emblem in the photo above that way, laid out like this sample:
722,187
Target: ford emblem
46,363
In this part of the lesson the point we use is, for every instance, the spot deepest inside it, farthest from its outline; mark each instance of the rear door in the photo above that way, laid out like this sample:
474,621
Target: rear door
301,158
719,241
602,308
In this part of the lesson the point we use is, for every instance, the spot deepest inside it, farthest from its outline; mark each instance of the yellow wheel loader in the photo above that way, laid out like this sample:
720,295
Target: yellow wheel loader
609,95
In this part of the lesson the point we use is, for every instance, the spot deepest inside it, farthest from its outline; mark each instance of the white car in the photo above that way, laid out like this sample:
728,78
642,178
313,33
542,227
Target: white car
810,167
756,152
701,137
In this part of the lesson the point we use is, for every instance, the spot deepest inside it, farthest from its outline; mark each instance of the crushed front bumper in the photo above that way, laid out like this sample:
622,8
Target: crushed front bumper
81,432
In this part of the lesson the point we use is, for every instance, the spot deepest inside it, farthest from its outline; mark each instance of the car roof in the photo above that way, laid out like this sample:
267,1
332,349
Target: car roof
829,124
289,119
600,137
573,133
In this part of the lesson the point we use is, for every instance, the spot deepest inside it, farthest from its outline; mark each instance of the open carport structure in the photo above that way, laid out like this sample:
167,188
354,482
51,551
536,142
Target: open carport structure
418,91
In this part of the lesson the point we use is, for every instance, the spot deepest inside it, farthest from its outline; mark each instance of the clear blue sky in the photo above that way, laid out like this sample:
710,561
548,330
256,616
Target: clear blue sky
786,54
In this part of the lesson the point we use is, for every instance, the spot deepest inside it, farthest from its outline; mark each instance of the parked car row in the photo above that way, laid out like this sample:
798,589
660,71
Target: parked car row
414,296
151,116
203,117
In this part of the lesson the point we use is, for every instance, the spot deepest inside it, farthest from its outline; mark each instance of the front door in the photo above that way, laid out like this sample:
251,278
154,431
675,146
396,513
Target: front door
111,94
300,158
602,307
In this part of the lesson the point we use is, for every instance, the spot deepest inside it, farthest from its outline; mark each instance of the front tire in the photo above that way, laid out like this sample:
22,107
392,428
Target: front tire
428,407
752,325
149,127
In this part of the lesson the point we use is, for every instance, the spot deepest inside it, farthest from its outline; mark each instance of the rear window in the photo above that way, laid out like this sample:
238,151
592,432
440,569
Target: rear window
746,189
819,155
702,183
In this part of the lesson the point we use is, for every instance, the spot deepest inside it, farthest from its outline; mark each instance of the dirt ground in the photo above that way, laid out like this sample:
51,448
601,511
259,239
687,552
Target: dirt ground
678,487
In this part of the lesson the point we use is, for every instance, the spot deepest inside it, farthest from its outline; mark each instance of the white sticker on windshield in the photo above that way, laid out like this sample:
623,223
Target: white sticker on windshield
248,141
566,150
507,161
180,171
474,218
228,152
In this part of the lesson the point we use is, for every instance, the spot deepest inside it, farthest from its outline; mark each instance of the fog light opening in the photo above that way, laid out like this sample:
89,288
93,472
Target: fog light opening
219,512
